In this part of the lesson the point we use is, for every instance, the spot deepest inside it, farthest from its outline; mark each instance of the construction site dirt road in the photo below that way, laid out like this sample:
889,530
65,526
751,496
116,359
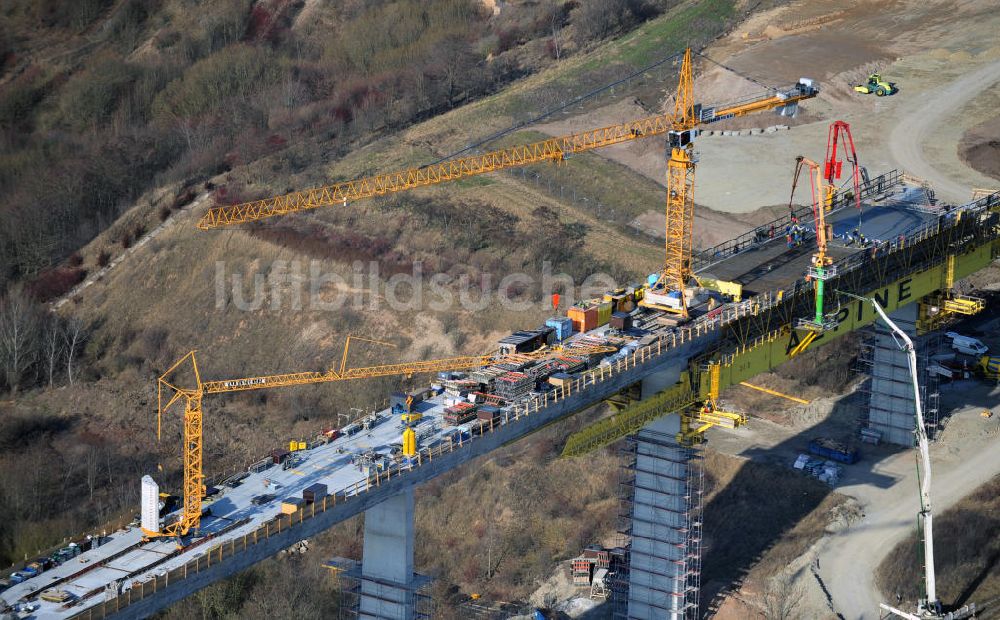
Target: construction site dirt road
907,142
964,458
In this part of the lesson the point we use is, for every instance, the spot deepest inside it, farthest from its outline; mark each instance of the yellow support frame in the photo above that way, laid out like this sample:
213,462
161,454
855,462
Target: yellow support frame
695,421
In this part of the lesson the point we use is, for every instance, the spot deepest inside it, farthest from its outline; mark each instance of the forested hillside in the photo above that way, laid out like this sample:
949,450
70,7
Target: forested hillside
100,100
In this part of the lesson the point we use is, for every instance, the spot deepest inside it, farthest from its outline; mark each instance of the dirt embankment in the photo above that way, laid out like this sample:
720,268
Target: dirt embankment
980,148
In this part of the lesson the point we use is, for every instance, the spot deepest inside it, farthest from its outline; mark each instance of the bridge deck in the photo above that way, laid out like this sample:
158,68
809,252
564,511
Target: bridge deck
771,265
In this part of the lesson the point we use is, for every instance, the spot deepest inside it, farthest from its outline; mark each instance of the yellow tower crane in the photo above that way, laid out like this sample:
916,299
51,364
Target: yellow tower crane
182,383
679,125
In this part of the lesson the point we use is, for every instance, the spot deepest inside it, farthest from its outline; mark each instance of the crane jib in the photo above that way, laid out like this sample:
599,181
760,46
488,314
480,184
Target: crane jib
551,149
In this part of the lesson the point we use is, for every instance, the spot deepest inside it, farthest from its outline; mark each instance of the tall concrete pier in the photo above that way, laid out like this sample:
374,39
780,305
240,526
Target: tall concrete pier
663,526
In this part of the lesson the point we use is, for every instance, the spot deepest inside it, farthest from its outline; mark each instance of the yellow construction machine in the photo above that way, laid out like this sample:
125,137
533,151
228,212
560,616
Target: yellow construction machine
877,86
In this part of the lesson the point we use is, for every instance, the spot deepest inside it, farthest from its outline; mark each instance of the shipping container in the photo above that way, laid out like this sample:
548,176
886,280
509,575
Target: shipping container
292,505
584,318
621,321
488,413
314,492
603,313
560,379
279,455
563,327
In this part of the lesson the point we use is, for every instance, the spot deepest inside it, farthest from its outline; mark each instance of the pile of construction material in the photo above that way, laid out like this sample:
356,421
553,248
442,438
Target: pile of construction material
571,364
459,387
824,470
513,385
486,376
596,568
459,413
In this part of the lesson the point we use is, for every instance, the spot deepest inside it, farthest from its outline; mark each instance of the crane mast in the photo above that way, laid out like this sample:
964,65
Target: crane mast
680,188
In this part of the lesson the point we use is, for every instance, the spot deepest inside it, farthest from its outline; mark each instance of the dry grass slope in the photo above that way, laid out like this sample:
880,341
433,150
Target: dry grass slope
966,553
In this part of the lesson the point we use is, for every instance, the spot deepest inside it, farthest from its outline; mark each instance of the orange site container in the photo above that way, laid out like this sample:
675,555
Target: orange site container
584,319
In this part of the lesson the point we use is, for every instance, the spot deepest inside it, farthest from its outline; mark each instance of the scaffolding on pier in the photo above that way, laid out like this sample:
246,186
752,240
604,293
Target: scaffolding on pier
660,529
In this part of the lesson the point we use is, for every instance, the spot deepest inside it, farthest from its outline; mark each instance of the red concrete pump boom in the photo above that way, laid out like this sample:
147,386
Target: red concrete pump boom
833,165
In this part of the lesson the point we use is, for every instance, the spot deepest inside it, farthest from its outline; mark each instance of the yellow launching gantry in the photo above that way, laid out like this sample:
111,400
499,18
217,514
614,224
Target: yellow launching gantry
182,382
679,125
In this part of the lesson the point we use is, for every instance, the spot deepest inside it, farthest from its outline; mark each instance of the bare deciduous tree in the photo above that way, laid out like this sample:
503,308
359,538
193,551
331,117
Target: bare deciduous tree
53,346
74,336
20,321
781,599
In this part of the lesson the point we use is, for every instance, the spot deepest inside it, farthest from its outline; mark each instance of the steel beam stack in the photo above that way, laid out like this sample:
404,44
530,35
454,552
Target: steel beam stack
513,385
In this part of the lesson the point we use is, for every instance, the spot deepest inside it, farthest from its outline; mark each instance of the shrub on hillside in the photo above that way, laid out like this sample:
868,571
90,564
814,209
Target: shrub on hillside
231,78
53,283
90,96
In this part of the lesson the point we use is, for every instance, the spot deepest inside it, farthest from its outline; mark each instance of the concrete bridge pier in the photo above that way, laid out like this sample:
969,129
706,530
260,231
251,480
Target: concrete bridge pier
663,526
890,403
661,518
388,586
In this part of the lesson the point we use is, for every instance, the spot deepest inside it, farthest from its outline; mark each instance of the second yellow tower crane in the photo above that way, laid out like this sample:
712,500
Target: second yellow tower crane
680,126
